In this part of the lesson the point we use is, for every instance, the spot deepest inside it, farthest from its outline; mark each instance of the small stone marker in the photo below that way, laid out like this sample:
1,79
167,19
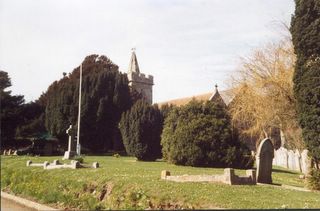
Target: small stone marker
95,165
229,175
55,162
265,154
9,152
5,152
75,164
29,162
164,174
251,173
45,164
15,152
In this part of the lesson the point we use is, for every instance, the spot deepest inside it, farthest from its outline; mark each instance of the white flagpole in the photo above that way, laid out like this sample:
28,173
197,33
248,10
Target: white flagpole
79,113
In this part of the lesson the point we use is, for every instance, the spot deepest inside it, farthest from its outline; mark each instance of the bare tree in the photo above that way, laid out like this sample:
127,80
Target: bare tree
264,99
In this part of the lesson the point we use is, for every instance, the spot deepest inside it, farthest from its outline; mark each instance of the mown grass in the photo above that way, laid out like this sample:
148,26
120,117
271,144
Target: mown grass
124,183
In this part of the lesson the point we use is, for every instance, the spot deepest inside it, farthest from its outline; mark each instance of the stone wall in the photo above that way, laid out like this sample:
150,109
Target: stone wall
292,159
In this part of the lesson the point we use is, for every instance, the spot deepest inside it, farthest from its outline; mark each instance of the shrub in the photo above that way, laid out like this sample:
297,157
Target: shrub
140,128
199,134
314,179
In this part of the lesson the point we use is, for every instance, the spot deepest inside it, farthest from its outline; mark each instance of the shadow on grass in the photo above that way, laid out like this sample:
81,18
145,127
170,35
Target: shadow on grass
283,171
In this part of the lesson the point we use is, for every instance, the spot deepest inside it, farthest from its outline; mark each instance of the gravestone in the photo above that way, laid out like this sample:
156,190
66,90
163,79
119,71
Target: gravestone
305,162
71,144
297,158
291,160
265,154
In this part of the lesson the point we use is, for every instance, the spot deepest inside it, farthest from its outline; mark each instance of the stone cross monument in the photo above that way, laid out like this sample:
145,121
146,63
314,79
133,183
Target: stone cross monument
71,144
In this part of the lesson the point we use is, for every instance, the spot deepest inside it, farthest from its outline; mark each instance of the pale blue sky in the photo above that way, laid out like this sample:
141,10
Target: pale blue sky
187,46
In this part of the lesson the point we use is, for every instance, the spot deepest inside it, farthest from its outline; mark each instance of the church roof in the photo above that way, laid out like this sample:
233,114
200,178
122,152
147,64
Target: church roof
226,95
133,66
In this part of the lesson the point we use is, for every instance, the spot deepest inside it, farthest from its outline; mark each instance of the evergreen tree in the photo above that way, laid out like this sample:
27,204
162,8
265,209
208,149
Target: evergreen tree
11,107
305,30
200,134
141,128
105,95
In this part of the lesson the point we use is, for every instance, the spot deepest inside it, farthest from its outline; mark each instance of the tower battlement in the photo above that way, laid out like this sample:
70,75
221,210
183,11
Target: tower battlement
140,78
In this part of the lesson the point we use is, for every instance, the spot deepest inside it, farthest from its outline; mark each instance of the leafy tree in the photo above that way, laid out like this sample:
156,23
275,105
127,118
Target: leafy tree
305,30
11,106
200,134
105,95
141,128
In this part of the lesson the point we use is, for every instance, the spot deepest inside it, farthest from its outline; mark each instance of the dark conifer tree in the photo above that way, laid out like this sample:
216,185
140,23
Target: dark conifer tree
305,30
141,128
105,95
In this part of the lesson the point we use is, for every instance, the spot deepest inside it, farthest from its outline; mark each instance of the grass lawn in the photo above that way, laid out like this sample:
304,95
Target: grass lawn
124,183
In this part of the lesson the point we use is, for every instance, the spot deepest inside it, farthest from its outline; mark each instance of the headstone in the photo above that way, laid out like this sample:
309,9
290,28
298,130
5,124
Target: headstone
95,165
291,160
15,152
164,174
9,152
264,158
305,162
5,152
29,162
297,158
71,144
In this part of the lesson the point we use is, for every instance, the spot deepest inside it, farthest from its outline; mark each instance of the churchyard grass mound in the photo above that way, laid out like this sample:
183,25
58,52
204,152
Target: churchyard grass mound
124,183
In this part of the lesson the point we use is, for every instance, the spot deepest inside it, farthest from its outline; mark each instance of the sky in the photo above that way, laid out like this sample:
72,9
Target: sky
187,45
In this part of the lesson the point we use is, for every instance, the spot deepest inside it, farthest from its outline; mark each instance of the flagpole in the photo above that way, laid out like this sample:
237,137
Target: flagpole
79,113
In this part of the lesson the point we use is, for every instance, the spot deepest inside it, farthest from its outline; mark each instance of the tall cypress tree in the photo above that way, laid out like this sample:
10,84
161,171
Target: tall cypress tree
305,30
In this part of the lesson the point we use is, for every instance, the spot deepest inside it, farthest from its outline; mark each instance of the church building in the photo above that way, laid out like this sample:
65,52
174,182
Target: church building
138,81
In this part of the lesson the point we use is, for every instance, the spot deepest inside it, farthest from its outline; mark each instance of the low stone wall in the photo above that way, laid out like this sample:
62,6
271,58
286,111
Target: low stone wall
228,177
292,159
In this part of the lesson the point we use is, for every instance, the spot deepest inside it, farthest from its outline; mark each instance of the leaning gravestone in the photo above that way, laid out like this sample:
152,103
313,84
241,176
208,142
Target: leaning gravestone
264,158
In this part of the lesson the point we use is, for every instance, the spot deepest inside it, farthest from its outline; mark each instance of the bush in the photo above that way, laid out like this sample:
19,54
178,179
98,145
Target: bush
141,128
314,179
199,134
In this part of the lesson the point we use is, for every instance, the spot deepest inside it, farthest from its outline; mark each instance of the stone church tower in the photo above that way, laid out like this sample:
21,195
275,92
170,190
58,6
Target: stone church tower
138,81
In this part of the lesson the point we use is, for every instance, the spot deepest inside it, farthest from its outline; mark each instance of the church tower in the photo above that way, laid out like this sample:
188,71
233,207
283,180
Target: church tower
138,81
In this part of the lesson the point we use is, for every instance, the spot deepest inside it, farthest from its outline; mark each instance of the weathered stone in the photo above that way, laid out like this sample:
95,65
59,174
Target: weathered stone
95,165
55,162
281,157
15,152
10,151
29,162
302,176
265,154
229,175
297,158
164,174
75,164
291,160
305,162
251,173
45,164
4,152
71,144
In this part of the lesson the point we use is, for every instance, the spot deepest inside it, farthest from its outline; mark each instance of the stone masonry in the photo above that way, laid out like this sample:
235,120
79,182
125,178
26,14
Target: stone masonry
138,81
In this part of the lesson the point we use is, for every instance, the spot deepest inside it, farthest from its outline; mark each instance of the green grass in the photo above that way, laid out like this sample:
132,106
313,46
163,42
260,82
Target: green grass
124,183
